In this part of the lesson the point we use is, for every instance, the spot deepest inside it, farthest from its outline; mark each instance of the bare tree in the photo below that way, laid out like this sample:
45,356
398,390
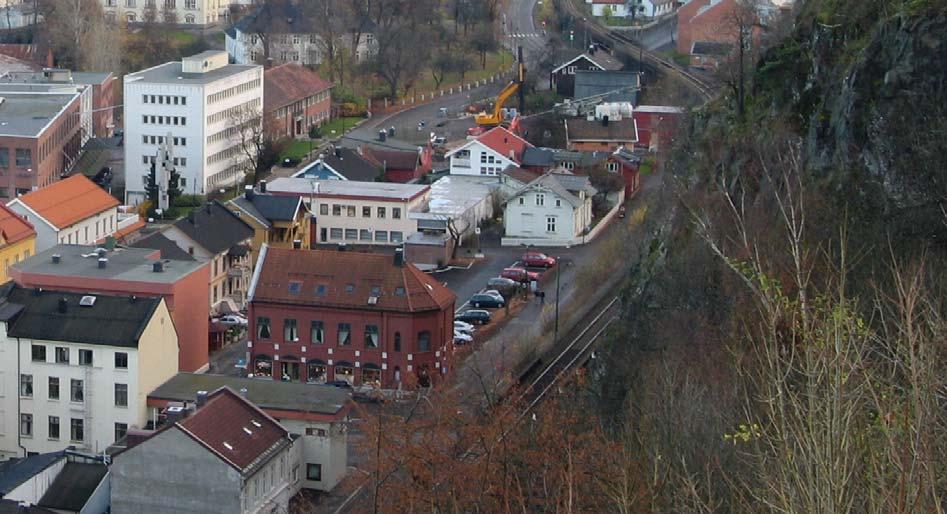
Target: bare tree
258,150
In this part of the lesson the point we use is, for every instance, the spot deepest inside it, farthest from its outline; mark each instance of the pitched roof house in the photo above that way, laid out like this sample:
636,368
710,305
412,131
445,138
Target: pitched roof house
562,78
294,99
341,164
228,456
72,211
596,135
489,154
399,165
277,220
17,239
385,319
214,234
553,209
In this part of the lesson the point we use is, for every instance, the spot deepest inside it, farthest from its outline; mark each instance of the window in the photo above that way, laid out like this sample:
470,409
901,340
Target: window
53,432
120,430
121,395
26,385
76,393
4,157
321,290
189,18
366,212
371,336
24,157
613,167
52,388
424,341
397,341
550,224
314,472
336,210
345,334
290,330
521,201
26,425
295,287
62,355
381,212
540,199
121,360
381,236
324,209
396,213
350,210
351,234
365,235
335,233
263,328
317,333
39,353
77,430
396,237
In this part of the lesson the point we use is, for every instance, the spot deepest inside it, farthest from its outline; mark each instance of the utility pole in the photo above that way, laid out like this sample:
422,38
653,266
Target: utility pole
558,270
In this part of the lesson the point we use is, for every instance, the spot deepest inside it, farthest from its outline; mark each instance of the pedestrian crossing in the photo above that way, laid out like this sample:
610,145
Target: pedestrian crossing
520,35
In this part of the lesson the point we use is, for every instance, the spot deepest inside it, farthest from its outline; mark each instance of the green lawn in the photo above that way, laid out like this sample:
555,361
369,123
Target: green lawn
182,37
680,59
337,125
497,62
297,148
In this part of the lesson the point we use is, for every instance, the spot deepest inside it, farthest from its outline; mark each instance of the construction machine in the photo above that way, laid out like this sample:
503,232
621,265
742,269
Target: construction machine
495,118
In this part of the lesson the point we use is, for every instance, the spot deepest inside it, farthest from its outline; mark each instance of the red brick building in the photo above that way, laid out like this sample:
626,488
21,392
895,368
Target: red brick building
137,271
656,125
39,139
399,165
294,99
709,21
365,318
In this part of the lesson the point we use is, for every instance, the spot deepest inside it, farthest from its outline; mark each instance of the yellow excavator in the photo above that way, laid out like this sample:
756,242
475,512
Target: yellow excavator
495,118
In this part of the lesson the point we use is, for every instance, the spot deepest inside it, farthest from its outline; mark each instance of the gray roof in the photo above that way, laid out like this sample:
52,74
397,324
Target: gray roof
42,77
382,191
600,58
623,131
555,182
14,507
125,264
620,86
14,472
214,227
170,73
349,164
110,321
27,114
575,183
264,393
537,157
269,208
169,249
580,159
73,486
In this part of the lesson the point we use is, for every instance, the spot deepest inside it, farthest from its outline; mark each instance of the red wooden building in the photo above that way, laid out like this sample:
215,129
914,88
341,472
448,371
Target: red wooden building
364,318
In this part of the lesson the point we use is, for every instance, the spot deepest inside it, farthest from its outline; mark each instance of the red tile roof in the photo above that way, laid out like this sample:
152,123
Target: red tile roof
234,429
68,201
503,141
289,83
347,280
13,227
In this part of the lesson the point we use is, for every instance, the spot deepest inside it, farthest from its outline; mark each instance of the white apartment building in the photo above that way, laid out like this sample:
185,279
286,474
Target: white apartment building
364,213
199,103
75,370
489,154
186,12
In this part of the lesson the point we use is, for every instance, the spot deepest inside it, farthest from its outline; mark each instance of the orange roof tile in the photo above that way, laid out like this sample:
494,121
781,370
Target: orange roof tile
13,226
347,279
68,201
503,142
121,233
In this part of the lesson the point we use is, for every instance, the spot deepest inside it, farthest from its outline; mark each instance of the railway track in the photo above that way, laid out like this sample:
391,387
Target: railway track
574,354
628,46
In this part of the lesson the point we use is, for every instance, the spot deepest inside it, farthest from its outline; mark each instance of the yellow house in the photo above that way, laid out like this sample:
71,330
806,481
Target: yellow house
278,221
17,240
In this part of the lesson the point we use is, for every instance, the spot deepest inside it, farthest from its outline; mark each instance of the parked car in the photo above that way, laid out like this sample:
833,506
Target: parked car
289,162
460,338
466,328
341,384
233,320
494,293
537,260
487,300
501,283
474,316
519,274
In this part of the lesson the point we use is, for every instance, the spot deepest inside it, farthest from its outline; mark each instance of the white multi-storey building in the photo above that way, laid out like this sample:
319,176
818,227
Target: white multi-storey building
186,12
75,370
206,107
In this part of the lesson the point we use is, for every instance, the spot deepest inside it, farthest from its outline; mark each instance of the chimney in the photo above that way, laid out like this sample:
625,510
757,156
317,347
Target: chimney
57,258
512,155
399,257
341,247
263,186
103,262
248,192
202,398
63,305
605,120
297,244
157,267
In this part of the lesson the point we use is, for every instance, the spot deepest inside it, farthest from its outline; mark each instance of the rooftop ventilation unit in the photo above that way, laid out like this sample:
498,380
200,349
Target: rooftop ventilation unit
372,300
87,301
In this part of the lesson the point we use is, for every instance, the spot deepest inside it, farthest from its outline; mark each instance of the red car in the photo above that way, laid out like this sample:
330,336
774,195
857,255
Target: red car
537,260
519,274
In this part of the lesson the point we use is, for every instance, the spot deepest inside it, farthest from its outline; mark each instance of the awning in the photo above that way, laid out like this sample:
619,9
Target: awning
344,364
318,362
262,357
369,365
291,358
